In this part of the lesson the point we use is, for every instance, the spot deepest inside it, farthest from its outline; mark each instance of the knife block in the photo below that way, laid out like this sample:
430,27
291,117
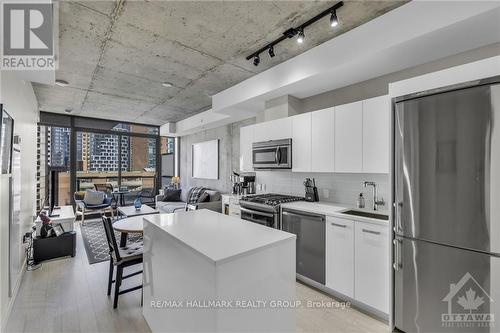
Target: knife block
312,194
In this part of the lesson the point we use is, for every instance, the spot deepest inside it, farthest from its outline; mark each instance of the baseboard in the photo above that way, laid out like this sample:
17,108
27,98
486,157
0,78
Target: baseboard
366,309
12,300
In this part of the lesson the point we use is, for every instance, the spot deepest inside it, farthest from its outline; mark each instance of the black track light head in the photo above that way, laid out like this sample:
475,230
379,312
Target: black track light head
256,60
334,21
271,52
301,37
296,32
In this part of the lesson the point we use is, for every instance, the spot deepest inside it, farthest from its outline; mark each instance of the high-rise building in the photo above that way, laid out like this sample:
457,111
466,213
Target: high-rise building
59,147
102,154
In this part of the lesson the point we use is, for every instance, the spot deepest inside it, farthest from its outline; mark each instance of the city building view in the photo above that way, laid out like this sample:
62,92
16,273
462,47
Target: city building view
99,156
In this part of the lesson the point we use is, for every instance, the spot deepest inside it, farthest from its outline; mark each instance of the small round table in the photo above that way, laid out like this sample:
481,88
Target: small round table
128,225
121,199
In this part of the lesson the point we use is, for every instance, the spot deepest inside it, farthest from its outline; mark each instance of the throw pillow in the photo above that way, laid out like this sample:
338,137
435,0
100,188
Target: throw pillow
93,198
205,197
186,191
195,194
214,195
172,195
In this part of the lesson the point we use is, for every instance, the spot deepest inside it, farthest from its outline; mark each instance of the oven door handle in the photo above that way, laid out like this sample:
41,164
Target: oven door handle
246,210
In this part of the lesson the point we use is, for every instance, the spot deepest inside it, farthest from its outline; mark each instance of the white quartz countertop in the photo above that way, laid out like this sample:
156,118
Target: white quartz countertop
216,236
334,209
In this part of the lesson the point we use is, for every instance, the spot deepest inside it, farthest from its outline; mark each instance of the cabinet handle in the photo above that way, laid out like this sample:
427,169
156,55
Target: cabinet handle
339,225
371,231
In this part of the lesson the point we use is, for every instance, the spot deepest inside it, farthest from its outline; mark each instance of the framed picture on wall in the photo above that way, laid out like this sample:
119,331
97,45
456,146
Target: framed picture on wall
6,137
205,159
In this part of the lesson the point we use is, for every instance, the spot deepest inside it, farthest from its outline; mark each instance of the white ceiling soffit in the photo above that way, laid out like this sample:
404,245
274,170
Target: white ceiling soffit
415,33
203,121
38,76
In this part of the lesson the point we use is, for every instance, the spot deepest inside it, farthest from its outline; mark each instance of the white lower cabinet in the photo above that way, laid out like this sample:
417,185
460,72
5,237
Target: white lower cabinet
357,261
340,255
371,275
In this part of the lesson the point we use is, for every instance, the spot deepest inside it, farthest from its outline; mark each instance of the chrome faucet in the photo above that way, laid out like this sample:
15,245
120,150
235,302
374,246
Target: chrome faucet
376,200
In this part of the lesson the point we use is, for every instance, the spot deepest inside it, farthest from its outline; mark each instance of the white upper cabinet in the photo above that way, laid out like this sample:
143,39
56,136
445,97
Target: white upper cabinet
246,140
273,130
376,134
301,142
322,140
349,137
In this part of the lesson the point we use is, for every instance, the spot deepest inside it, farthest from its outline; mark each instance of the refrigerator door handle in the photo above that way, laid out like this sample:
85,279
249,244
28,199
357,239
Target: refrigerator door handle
397,265
398,206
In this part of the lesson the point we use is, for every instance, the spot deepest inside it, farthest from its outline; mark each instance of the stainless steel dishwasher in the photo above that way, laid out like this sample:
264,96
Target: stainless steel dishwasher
310,231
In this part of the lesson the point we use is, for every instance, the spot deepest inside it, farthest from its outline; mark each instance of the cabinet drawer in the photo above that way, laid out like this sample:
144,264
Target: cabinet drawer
340,255
372,265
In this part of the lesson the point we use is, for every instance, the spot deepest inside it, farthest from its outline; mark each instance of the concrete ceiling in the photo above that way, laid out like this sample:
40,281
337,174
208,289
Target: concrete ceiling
116,54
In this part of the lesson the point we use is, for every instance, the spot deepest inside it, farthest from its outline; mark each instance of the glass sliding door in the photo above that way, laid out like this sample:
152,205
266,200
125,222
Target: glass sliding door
97,159
58,141
88,153
138,169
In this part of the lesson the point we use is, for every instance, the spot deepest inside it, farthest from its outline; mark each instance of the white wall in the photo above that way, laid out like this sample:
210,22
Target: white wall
229,150
20,102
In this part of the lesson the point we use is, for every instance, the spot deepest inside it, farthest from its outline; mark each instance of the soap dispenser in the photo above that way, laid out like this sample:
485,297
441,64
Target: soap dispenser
360,202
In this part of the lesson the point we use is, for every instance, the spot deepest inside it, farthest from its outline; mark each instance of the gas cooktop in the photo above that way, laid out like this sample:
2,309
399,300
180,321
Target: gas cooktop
270,199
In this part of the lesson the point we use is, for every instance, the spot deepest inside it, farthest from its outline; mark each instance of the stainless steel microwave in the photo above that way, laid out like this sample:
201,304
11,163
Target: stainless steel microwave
274,154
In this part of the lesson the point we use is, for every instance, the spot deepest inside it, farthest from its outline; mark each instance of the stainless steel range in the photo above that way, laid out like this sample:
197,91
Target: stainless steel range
265,208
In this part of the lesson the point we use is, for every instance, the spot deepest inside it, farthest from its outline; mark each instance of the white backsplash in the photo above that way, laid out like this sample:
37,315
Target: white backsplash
342,188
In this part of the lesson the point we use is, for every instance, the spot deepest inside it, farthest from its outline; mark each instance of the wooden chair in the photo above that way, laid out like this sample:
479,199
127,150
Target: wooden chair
121,257
108,190
82,209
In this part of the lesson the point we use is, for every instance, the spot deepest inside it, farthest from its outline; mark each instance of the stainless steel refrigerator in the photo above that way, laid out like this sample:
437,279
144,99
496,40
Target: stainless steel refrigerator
446,244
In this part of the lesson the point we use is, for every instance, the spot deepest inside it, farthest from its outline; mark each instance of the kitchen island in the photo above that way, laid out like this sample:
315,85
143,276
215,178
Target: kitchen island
208,272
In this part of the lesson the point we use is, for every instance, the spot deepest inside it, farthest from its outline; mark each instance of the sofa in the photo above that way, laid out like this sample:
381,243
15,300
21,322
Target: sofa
214,201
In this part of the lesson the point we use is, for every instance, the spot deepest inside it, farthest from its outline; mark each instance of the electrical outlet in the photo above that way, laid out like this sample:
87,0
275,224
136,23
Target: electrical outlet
326,193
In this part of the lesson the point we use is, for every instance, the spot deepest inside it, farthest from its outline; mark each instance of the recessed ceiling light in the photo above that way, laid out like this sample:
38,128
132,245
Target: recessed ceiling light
62,83
167,84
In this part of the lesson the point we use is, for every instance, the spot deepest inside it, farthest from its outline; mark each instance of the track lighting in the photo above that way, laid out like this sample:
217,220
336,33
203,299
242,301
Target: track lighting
256,60
297,32
333,19
300,37
271,52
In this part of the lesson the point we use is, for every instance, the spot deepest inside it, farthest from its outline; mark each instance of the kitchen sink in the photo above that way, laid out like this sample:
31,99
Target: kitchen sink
367,214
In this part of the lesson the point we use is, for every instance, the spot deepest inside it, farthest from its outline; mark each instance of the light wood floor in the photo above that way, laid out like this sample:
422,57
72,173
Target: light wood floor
69,295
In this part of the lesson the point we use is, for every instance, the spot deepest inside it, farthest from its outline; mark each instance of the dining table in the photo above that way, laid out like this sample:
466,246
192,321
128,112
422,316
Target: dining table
127,226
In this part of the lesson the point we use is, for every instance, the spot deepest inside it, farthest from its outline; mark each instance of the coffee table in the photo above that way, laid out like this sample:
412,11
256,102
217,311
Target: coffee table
128,211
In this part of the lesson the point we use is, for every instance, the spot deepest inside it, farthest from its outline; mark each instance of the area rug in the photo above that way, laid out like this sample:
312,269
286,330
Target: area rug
96,244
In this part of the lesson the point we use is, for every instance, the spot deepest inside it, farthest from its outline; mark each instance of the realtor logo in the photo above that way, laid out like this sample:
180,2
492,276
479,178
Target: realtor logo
468,305
28,36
